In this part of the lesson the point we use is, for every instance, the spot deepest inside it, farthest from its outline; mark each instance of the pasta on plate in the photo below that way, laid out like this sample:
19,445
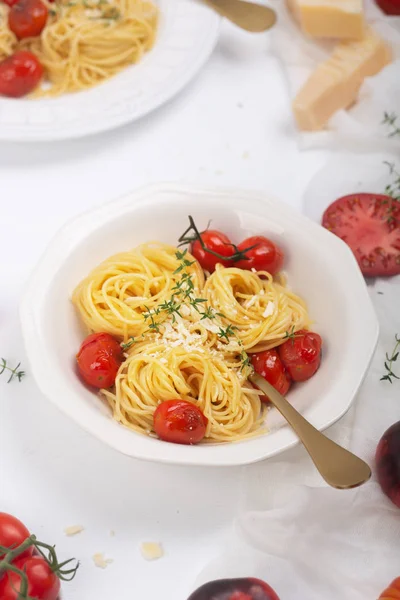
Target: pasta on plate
187,334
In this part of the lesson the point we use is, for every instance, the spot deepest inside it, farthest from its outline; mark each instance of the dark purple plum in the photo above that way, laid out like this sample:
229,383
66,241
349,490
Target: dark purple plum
235,589
387,460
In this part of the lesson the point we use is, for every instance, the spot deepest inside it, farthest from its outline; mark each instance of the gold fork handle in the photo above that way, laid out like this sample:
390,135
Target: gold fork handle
339,467
247,15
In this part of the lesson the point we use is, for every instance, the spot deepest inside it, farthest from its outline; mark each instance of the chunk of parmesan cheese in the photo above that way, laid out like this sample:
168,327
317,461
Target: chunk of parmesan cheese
100,561
73,529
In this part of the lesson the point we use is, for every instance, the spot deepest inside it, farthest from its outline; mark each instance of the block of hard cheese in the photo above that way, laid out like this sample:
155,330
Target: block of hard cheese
334,85
342,19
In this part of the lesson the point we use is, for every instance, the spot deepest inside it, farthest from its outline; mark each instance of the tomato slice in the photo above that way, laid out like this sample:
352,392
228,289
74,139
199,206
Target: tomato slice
99,359
216,241
269,365
20,73
301,355
370,225
264,256
179,422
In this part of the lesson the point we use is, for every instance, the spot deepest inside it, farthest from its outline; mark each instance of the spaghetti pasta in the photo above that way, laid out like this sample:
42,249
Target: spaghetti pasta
85,42
185,337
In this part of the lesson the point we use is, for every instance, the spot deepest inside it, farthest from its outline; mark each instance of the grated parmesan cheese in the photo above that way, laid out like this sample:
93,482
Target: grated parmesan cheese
73,529
151,550
269,309
100,561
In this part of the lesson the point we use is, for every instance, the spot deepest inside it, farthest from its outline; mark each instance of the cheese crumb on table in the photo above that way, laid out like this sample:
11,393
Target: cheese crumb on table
151,550
100,561
73,529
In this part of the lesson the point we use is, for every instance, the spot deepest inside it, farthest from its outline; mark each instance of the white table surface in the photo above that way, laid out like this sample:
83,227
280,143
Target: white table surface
231,127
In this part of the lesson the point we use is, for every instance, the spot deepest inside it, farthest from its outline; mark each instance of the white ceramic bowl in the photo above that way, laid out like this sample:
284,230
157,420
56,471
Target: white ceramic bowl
320,267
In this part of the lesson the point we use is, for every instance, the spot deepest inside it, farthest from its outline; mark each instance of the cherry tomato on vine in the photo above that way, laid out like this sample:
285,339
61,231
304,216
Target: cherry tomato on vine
301,355
27,18
20,73
99,359
179,422
216,241
265,256
12,533
269,365
43,584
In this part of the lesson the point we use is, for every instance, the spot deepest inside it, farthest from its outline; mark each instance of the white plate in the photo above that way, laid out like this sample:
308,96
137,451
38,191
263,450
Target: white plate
321,268
187,34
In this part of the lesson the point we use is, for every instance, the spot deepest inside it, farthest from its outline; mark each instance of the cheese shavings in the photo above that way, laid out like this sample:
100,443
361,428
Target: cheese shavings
151,550
100,561
73,530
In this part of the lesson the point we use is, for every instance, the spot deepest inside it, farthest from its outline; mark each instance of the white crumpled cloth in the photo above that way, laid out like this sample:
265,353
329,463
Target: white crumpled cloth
359,128
312,542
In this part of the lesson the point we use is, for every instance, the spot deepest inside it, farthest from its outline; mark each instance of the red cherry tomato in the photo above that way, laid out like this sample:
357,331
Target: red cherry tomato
370,225
269,365
43,584
10,2
20,73
27,18
265,256
216,242
13,533
247,588
179,422
390,7
99,359
392,592
301,355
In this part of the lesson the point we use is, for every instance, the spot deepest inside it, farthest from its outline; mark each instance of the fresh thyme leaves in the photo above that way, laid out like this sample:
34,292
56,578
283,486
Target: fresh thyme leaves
153,326
390,360
191,234
171,307
289,335
128,344
226,332
393,191
14,373
245,360
392,122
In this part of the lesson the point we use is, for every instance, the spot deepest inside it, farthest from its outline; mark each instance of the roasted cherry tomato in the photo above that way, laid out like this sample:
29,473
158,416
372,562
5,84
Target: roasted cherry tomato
265,256
301,355
392,592
247,588
13,533
27,18
20,73
10,2
269,365
370,225
179,422
43,583
216,242
99,359
390,7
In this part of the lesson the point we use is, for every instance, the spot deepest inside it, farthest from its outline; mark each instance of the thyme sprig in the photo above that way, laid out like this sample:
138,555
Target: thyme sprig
390,360
393,191
391,120
191,234
64,570
14,373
